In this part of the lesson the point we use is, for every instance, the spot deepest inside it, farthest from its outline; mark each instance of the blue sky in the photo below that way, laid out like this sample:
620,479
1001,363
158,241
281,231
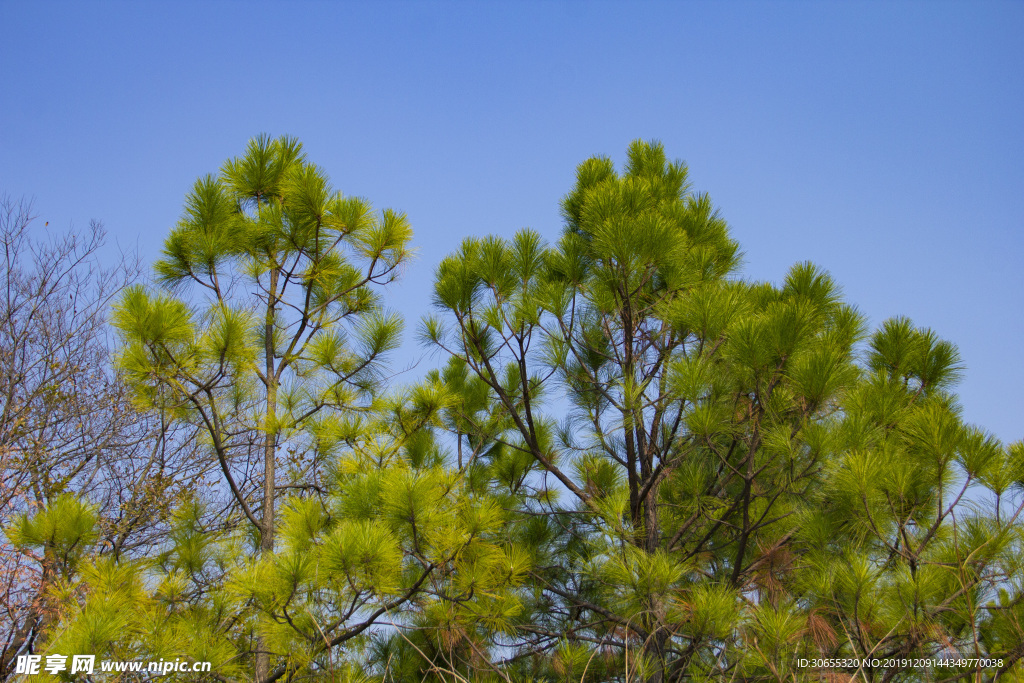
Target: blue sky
883,141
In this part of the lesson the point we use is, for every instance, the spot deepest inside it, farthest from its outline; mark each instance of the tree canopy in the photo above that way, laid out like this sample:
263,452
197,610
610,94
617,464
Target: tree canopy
630,463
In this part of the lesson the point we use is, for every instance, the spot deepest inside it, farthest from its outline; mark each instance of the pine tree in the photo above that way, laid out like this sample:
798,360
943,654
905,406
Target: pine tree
709,428
272,318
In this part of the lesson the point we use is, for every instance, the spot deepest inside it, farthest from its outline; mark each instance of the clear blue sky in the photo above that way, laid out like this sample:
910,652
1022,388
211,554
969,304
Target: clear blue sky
884,141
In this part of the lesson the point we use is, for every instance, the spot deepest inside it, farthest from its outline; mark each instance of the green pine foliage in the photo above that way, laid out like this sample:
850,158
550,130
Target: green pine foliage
630,465
732,480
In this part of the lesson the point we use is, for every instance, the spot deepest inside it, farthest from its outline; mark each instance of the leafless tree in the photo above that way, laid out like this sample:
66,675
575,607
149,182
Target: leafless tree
67,424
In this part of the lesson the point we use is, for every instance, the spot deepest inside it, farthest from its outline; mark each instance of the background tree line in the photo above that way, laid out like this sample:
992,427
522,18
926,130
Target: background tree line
630,464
